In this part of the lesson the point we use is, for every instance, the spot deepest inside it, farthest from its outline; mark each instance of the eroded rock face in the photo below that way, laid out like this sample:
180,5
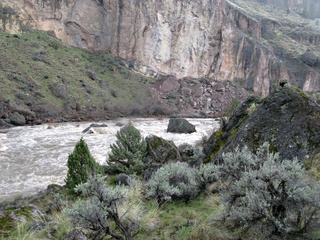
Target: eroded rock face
221,39
197,97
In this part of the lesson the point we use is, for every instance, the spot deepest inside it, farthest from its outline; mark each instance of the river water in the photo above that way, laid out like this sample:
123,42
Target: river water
31,158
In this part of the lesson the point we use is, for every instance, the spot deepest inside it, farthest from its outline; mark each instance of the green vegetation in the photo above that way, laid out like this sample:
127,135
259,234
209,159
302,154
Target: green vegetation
128,153
219,143
39,71
269,191
251,192
173,181
232,107
252,108
8,222
302,94
81,165
104,206
50,231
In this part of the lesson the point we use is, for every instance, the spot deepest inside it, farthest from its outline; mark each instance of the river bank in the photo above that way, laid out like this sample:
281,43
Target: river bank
33,157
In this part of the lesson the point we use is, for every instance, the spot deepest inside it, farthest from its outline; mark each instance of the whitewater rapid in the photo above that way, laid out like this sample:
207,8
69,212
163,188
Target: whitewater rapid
33,157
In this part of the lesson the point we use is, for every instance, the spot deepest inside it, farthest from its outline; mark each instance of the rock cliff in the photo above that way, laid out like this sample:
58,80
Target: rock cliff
255,43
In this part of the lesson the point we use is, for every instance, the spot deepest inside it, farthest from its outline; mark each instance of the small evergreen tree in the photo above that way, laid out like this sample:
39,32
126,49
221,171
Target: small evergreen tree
128,152
80,165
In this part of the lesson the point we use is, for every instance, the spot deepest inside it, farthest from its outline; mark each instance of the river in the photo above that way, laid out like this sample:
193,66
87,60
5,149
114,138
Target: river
33,157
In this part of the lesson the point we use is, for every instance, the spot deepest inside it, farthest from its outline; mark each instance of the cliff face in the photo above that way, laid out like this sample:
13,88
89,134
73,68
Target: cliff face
220,39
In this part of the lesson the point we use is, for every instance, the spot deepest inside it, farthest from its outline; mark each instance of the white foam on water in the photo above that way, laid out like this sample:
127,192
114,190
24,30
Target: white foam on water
31,158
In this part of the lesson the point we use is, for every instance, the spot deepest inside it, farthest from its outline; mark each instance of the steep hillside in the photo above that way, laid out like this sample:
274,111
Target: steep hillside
60,83
255,43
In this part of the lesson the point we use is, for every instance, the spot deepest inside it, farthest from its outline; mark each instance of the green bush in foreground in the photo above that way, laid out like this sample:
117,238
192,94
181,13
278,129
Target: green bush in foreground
128,152
80,165
265,189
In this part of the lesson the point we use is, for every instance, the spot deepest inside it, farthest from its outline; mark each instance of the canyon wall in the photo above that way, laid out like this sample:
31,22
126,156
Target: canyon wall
216,39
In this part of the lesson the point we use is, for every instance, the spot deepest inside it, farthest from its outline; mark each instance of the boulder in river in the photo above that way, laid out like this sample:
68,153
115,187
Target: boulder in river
93,125
180,125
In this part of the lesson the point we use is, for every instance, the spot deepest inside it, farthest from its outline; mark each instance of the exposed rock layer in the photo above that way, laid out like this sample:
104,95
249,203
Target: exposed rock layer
222,39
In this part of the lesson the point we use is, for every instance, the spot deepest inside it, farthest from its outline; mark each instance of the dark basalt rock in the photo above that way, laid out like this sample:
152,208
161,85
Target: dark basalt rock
288,119
93,125
122,179
309,58
161,151
17,119
180,125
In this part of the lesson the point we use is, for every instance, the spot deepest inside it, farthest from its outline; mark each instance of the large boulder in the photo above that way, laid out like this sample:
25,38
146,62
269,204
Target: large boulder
5,123
288,119
17,119
27,113
180,125
161,151
122,179
309,58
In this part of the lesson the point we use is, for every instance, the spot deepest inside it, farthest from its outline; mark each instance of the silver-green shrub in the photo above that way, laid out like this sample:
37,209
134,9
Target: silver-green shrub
103,205
208,173
236,162
268,190
174,180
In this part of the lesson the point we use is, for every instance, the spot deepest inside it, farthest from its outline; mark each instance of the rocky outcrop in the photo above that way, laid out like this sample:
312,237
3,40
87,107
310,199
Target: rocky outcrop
248,41
197,97
307,8
12,114
36,208
288,119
